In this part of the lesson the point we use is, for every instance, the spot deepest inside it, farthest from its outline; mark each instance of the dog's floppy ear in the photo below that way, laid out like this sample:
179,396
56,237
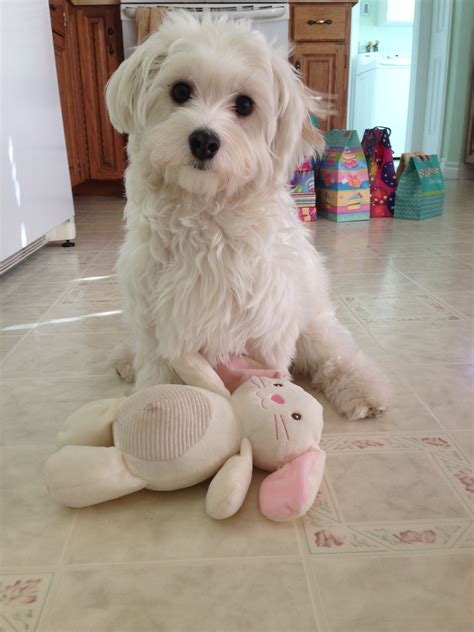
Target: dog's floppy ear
127,89
295,137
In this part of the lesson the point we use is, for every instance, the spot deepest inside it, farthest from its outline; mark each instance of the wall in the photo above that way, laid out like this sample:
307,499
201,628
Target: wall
459,84
395,38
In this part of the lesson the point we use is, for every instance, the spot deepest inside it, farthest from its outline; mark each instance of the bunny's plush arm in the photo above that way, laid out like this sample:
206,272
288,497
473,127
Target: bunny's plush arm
229,486
290,491
195,370
79,476
91,424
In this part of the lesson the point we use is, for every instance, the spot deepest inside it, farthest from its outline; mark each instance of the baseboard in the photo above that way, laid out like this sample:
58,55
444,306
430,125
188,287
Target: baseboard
450,169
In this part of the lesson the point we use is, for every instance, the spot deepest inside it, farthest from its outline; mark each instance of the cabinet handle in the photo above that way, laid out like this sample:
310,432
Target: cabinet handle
297,64
110,34
313,22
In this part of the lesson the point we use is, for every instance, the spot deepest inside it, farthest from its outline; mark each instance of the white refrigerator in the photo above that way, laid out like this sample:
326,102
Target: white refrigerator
36,204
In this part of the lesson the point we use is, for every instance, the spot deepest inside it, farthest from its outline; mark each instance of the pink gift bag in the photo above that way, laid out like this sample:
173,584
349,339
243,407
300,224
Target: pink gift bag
383,181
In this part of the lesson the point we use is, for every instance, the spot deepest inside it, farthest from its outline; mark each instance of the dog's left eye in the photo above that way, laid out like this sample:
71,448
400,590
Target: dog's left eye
243,105
181,92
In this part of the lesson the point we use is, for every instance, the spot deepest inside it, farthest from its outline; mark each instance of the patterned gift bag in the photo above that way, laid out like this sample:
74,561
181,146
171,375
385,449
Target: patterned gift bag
342,181
383,182
303,191
302,187
420,192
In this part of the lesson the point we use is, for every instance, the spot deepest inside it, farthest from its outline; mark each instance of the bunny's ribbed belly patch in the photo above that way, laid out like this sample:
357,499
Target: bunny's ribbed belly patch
165,428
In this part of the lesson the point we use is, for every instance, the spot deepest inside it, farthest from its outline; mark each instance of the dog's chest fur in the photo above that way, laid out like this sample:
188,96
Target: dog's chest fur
213,281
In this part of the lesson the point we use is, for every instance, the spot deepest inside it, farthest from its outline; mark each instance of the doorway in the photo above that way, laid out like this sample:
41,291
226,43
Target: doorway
398,70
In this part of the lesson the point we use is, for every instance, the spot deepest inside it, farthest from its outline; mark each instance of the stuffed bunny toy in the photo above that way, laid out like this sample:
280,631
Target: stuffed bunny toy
172,436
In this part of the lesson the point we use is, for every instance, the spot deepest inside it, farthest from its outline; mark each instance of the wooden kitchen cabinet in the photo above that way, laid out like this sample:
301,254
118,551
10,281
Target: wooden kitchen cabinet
321,32
100,52
70,90
88,48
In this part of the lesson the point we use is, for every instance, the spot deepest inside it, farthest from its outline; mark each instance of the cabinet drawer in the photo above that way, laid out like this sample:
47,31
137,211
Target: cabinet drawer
319,22
57,11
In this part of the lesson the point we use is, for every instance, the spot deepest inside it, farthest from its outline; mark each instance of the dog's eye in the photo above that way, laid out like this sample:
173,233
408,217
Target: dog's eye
243,105
278,385
296,416
181,92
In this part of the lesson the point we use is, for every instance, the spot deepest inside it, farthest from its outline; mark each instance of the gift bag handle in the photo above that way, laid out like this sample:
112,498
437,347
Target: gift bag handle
381,127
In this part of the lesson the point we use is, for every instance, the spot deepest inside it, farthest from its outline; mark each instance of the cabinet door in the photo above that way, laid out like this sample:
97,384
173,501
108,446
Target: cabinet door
100,46
69,107
324,69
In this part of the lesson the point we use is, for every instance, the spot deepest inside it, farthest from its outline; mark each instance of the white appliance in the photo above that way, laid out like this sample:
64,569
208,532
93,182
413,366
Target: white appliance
270,18
35,199
381,94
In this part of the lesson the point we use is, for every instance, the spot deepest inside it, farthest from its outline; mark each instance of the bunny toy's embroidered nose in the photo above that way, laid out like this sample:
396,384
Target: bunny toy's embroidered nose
277,399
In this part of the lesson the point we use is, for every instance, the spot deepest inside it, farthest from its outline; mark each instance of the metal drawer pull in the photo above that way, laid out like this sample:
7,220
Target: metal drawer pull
313,22
110,34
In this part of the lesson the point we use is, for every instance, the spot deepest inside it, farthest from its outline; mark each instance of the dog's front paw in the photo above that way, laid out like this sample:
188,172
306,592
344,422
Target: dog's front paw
356,398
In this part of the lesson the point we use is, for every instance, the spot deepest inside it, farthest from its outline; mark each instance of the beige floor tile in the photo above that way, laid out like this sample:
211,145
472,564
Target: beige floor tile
461,301
443,280
82,317
44,294
95,288
62,354
236,596
16,320
389,282
399,594
34,527
465,440
356,265
418,343
34,409
7,343
447,391
150,526
427,264
392,486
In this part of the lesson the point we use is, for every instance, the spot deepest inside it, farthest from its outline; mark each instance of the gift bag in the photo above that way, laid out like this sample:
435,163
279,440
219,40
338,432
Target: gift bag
420,192
302,186
383,182
303,191
404,162
342,181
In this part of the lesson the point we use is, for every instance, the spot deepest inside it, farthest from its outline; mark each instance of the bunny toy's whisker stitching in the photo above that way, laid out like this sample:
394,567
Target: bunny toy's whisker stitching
276,427
284,426
254,382
263,383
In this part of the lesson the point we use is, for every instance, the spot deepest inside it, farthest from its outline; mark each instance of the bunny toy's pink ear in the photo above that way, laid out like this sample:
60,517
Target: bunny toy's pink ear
290,491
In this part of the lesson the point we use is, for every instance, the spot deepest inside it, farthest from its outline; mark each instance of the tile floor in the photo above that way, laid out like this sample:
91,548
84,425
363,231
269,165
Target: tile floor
386,548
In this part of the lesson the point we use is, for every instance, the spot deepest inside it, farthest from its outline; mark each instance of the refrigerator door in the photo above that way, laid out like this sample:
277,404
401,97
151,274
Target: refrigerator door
35,191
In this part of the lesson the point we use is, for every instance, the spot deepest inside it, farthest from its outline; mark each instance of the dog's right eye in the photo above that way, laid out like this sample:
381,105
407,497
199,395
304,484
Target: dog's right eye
181,92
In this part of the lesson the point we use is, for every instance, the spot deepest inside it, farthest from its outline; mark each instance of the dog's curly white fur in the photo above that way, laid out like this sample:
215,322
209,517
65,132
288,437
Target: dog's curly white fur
215,258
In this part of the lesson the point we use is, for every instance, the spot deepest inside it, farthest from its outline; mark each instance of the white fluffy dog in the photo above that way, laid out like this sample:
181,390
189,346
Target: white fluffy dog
215,258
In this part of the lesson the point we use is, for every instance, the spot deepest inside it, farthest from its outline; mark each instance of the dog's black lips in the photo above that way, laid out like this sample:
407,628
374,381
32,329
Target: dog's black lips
200,165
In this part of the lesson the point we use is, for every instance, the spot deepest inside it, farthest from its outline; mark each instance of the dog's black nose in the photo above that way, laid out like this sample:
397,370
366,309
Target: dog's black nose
204,144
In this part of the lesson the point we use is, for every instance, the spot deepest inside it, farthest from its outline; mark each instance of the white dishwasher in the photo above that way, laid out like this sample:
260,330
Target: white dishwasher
270,19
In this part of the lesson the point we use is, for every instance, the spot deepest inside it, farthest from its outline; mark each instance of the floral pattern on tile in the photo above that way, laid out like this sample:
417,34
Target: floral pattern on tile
326,533
390,309
22,598
434,443
326,536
